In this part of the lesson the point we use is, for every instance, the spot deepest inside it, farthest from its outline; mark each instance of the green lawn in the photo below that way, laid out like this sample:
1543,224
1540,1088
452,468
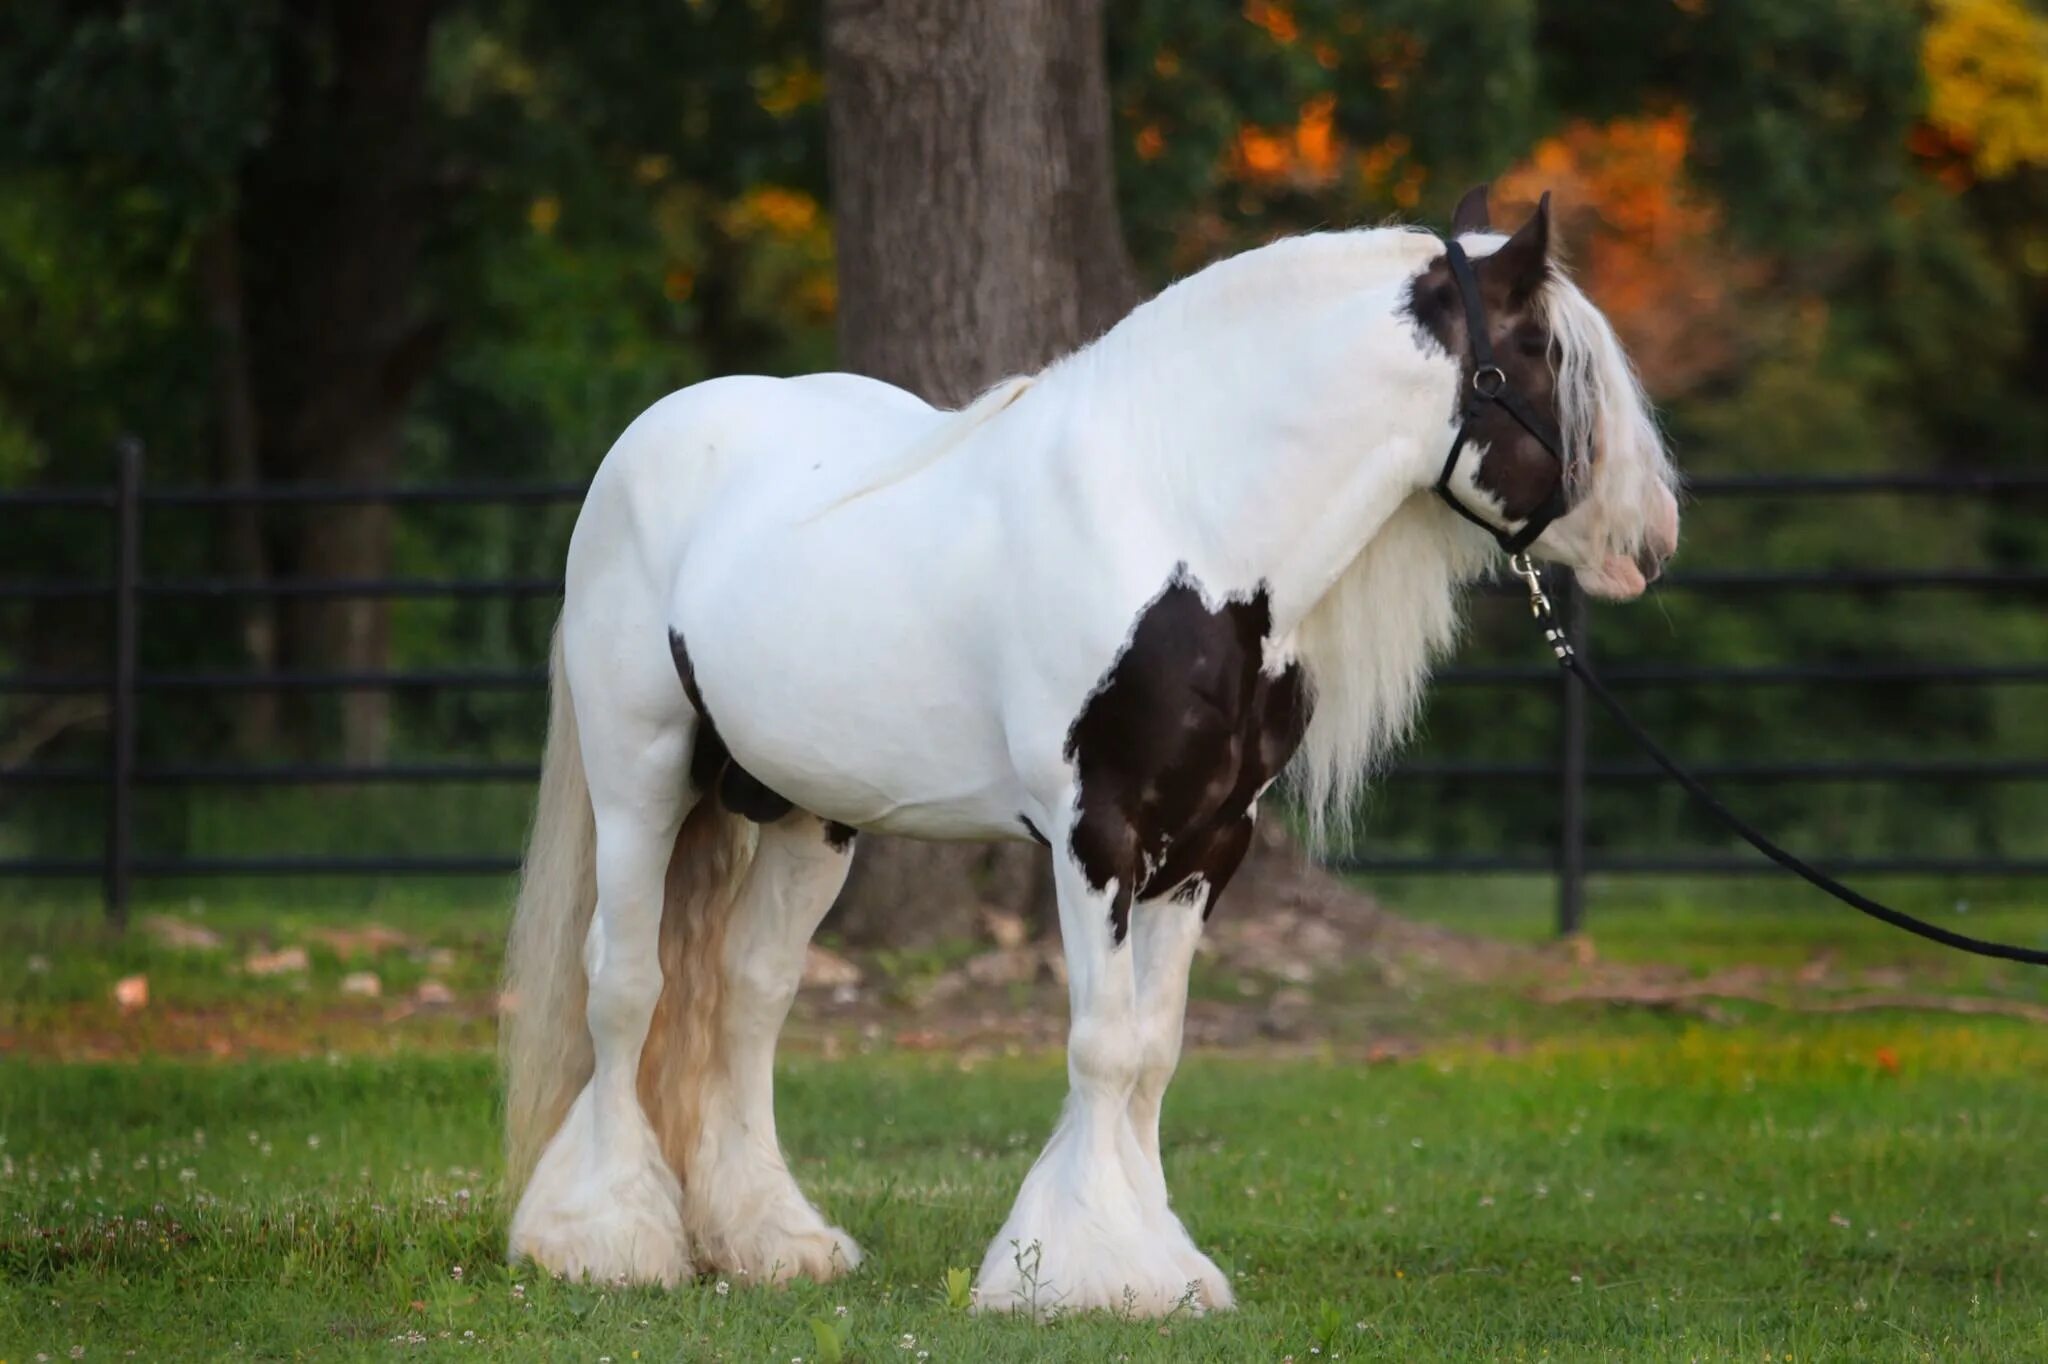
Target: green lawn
1859,1189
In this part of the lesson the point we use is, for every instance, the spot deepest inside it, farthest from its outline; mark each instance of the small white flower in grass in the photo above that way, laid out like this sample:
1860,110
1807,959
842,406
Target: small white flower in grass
1415,1142
313,1142
1836,1219
187,1175
78,1352
839,1311
1577,1279
456,1273
1486,1200
1543,1191
1586,1194
723,1288
906,1341
1777,1216
924,1354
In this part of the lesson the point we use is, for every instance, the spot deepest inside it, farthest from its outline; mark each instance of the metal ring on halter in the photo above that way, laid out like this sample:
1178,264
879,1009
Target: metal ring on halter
1489,381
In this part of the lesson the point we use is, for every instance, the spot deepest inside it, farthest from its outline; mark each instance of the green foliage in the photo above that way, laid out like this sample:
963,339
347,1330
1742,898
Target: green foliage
831,1335
612,210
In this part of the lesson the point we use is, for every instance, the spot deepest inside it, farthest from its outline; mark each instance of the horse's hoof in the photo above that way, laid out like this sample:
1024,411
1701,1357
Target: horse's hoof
605,1248
820,1255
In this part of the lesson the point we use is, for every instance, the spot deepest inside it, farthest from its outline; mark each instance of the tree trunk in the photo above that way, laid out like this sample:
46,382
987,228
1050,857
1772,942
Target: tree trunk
974,206
330,241
237,442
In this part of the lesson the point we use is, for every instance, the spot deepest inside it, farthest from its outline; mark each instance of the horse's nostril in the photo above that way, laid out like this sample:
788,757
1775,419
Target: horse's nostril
1650,564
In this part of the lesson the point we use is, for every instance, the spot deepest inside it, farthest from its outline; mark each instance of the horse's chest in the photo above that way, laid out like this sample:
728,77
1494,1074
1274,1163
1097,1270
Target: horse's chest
1185,730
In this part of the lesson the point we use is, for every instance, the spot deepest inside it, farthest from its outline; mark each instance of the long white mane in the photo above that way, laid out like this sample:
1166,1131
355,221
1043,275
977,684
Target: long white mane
1372,640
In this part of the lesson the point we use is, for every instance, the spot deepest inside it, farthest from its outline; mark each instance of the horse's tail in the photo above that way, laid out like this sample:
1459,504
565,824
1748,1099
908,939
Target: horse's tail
544,1040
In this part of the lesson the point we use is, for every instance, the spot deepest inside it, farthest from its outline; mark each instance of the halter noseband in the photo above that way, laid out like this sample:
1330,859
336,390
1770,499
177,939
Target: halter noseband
1490,385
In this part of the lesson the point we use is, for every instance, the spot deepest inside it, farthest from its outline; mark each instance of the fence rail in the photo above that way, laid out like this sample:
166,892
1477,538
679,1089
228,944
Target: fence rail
126,590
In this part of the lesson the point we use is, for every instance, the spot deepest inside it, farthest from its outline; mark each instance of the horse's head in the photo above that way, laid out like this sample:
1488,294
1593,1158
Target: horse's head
1620,515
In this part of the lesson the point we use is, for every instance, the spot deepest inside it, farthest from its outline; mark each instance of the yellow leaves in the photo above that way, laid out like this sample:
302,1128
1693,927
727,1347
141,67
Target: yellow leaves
1385,168
1986,63
1275,17
790,267
783,92
772,209
543,213
1150,142
652,169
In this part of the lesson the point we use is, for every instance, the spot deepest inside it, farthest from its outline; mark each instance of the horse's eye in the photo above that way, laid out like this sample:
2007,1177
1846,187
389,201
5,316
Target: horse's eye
1532,342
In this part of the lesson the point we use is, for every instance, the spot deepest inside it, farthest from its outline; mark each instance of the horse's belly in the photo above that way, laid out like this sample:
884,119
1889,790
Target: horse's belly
851,688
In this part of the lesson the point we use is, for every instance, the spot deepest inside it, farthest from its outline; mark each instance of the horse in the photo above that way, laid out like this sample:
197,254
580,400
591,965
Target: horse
1103,607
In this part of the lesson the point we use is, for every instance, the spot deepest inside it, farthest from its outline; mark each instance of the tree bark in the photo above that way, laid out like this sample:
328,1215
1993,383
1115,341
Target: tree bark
237,444
974,207
330,239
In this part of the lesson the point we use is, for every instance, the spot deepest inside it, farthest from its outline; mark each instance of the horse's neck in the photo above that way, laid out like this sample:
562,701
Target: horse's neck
1278,428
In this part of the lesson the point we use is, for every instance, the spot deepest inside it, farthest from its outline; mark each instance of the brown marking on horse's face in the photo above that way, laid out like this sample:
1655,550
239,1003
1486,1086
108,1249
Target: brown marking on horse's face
1176,742
1517,469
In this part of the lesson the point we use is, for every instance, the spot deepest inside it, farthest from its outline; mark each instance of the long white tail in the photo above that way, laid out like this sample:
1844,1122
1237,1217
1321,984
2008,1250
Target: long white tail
544,1041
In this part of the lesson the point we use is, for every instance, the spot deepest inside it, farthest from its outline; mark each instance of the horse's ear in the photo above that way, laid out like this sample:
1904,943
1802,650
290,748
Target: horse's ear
1470,214
1523,261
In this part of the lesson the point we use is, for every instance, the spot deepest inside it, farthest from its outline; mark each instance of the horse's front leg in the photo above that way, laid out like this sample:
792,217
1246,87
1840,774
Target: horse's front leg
1082,1234
1165,932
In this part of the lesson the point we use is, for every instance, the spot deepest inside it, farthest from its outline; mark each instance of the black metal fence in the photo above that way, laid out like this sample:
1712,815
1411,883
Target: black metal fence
127,589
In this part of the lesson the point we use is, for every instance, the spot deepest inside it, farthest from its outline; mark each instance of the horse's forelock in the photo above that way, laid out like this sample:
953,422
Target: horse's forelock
1603,412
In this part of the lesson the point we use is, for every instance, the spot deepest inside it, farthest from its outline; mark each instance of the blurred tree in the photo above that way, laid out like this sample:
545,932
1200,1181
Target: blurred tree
978,236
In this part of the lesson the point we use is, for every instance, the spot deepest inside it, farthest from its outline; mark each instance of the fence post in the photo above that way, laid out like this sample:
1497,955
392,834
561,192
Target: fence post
1571,770
119,848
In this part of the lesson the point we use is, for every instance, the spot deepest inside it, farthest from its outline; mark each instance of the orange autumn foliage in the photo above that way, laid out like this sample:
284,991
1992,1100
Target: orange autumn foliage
1309,154
1642,240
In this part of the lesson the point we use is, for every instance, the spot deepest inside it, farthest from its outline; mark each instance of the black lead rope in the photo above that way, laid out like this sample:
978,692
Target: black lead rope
1568,659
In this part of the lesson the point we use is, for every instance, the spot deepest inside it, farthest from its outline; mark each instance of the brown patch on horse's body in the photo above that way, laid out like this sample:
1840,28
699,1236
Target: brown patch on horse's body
1176,742
711,763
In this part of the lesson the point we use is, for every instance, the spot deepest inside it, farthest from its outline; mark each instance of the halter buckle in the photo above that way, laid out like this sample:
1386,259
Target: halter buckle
1489,380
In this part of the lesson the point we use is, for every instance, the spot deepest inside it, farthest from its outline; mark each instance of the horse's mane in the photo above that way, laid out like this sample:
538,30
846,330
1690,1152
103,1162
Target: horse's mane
1370,642
1316,266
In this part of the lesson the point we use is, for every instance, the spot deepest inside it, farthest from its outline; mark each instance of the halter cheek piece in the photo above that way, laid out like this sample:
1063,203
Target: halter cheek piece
1490,385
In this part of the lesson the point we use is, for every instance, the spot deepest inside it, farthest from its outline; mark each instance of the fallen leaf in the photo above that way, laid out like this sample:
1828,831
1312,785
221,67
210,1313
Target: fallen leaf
368,940
826,969
132,993
280,962
179,935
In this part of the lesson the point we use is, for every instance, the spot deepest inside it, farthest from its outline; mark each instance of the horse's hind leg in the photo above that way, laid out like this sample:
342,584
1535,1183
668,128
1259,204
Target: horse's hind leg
603,1202
742,1206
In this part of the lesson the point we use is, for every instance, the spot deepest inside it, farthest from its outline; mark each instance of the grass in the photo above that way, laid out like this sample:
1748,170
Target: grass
1846,1190
1532,1182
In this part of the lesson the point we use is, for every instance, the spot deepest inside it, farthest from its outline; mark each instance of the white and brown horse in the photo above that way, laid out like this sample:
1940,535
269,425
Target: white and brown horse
1103,607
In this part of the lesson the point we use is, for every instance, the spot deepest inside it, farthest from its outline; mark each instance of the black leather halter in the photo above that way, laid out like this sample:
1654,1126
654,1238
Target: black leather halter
1490,385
